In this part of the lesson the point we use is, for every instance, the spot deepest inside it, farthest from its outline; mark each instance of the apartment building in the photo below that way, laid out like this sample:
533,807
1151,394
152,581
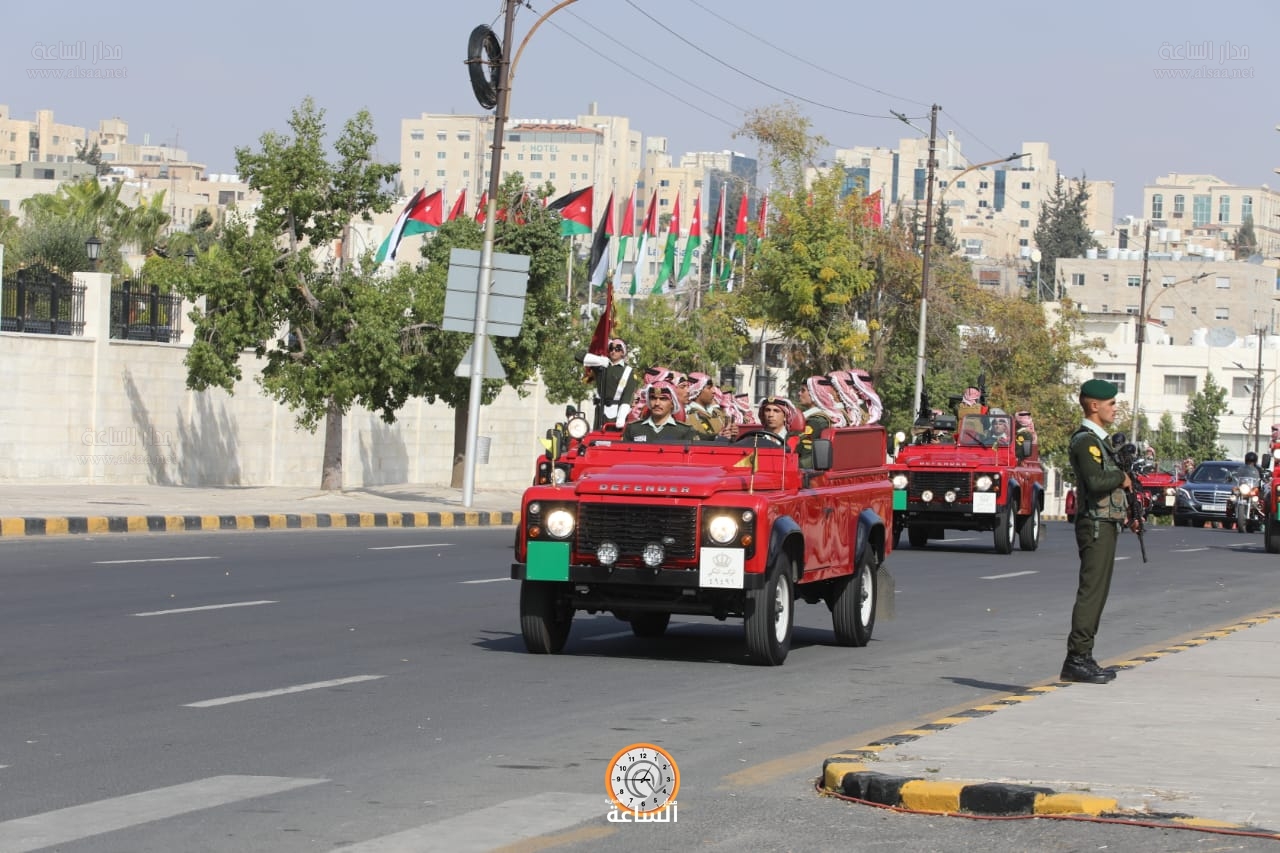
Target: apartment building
992,210
454,152
1229,298
40,141
1205,211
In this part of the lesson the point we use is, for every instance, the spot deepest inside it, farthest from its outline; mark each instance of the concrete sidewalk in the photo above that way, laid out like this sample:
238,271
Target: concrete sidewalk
27,510
1188,734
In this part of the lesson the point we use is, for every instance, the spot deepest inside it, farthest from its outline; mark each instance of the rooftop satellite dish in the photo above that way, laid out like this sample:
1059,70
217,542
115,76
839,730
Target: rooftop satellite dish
1221,336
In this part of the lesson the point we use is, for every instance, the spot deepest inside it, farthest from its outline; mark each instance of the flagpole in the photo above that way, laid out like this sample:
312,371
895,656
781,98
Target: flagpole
480,341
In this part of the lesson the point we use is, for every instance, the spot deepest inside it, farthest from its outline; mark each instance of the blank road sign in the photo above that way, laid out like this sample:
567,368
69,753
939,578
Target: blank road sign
508,283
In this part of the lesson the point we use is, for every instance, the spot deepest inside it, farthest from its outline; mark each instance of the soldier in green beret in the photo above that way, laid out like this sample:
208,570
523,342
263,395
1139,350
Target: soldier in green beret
1101,512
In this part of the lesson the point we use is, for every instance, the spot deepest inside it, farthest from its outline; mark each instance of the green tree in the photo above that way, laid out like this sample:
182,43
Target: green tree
1200,421
810,270
1245,243
1062,230
1164,441
326,330
944,239
92,154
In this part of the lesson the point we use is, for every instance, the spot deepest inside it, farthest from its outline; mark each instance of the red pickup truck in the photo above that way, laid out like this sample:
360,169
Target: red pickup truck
710,528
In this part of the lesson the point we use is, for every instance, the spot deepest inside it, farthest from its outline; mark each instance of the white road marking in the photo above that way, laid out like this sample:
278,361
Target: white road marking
297,688
205,607
402,547
493,826
1188,550
1009,575
487,580
63,826
959,539
1119,558
150,560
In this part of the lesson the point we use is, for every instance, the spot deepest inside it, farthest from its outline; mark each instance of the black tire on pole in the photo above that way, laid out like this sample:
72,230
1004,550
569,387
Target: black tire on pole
484,63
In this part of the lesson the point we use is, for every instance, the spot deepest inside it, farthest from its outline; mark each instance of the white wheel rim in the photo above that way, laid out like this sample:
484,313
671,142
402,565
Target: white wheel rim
864,596
781,609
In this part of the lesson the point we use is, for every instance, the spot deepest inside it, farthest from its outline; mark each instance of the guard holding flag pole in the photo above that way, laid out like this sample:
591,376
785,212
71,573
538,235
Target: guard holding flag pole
606,365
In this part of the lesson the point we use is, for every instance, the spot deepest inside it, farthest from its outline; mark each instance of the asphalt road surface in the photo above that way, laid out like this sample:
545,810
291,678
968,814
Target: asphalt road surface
368,690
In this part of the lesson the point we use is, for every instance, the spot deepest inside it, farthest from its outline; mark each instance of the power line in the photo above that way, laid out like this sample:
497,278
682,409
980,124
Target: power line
798,58
750,77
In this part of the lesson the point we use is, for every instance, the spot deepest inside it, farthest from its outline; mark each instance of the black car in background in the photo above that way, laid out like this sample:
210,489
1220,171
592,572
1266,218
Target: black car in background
1202,498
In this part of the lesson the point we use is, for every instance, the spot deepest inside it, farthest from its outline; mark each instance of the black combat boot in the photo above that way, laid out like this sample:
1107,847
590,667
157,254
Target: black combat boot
1108,671
1082,669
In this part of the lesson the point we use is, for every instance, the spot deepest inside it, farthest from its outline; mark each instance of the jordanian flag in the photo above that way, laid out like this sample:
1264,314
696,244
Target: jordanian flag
761,218
695,240
627,228
459,206
599,263
668,268
719,270
739,238
575,207
649,229
422,214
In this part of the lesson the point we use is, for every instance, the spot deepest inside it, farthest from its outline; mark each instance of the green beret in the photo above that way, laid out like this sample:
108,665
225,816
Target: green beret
1099,389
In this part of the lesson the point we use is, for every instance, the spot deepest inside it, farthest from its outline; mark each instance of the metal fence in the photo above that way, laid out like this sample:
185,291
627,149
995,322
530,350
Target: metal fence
142,313
38,299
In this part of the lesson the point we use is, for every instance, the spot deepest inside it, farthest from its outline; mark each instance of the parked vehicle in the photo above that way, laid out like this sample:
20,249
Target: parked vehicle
1203,497
977,480
714,528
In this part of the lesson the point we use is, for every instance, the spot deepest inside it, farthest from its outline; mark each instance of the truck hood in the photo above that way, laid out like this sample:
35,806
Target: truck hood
966,458
699,481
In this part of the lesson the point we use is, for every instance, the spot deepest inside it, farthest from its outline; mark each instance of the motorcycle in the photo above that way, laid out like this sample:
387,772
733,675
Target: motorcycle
1245,504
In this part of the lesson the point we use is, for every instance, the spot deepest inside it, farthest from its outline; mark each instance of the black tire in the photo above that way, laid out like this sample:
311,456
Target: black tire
1071,518
1003,535
1029,532
770,615
650,624
917,536
1271,534
853,602
897,538
545,616
484,61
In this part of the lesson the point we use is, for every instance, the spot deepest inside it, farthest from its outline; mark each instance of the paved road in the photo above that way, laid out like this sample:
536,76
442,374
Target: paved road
369,689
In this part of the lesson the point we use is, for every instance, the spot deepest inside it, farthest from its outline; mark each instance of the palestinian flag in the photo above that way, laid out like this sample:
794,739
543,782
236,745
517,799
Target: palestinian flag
459,206
575,207
422,214
691,245
599,264
668,269
649,229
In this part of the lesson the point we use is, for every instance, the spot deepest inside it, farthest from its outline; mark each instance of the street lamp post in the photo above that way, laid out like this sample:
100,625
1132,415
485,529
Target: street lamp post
1141,336
928,240
93,246
1254,424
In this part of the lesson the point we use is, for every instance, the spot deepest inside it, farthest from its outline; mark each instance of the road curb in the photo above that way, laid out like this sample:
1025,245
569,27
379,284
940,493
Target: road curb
846,774
77,524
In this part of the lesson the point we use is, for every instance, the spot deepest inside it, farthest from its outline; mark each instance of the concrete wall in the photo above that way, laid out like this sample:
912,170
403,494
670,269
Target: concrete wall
94,410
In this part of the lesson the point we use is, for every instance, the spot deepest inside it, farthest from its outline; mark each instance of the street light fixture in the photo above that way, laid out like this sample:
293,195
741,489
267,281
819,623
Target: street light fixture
928,246
1141,337
93,246
189,257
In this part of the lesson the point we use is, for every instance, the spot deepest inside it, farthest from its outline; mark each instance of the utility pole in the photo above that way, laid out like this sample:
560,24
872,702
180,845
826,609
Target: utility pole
1257,393
928,250
480,340
1142,334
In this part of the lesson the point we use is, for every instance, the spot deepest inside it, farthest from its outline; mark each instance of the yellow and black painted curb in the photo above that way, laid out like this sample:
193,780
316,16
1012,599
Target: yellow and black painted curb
846,773
60,525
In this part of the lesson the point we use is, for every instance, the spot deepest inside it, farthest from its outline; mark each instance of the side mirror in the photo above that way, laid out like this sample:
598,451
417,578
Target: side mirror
822,454
1024,447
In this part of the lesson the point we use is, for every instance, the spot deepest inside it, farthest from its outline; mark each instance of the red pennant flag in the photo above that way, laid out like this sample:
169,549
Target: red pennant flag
604,327
628,227
483,209
744,208
872,215
459,206
762,217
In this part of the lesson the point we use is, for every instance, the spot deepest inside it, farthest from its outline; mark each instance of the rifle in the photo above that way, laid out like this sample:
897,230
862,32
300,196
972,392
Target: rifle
1126,454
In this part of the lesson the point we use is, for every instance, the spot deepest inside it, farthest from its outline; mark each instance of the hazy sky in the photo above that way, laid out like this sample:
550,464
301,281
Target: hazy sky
1121,91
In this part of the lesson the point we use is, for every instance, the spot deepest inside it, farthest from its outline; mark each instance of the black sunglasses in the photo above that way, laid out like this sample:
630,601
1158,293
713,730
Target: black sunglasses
614,347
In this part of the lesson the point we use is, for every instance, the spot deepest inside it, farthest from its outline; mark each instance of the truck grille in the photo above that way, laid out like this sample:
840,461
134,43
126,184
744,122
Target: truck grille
940,482
633,527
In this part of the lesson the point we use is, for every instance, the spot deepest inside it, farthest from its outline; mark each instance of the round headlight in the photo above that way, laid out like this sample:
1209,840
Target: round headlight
899,481
535,508
983,483
950,496
747,516
607,553
652,555
722,529
559,476
559,523
926,495
1170,490
1246,489
578,427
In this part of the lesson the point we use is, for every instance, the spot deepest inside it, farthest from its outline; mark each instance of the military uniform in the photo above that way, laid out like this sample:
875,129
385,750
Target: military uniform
671,432
615,386
815,421
707,420
1101,512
